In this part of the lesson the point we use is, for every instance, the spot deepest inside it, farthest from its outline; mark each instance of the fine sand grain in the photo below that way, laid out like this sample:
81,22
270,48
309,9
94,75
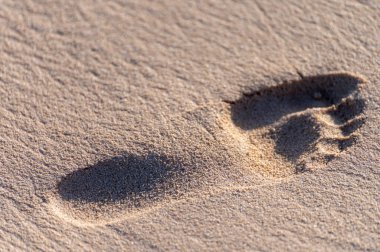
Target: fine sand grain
189,125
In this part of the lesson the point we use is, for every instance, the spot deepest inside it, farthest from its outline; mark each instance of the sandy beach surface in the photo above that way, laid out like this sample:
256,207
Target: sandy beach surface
189,125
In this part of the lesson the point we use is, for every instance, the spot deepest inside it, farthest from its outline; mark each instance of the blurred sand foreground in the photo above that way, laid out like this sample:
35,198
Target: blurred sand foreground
189,125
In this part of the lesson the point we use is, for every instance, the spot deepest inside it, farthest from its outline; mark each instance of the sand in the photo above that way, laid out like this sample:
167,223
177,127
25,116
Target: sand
189,125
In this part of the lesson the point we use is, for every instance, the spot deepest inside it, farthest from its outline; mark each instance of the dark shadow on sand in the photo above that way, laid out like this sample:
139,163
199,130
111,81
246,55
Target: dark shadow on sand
296,137
267,105
128,177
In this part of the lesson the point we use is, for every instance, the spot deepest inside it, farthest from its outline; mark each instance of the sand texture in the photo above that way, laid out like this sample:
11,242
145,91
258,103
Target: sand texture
189,125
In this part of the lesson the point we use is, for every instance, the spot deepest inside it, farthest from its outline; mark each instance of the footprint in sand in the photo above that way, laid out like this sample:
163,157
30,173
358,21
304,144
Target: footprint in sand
300,125
286,129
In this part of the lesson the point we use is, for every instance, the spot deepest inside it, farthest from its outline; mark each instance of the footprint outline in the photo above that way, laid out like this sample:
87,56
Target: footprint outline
342,111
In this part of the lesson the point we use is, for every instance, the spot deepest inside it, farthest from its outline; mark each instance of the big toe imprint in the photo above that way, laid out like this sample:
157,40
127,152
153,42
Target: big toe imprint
300,125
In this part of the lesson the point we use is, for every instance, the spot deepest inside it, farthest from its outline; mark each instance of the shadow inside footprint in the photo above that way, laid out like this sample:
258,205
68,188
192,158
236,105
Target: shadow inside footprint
297,136
300,125
268,105
130,177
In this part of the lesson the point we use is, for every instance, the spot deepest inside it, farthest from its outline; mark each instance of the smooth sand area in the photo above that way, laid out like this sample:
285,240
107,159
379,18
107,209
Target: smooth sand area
189,125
